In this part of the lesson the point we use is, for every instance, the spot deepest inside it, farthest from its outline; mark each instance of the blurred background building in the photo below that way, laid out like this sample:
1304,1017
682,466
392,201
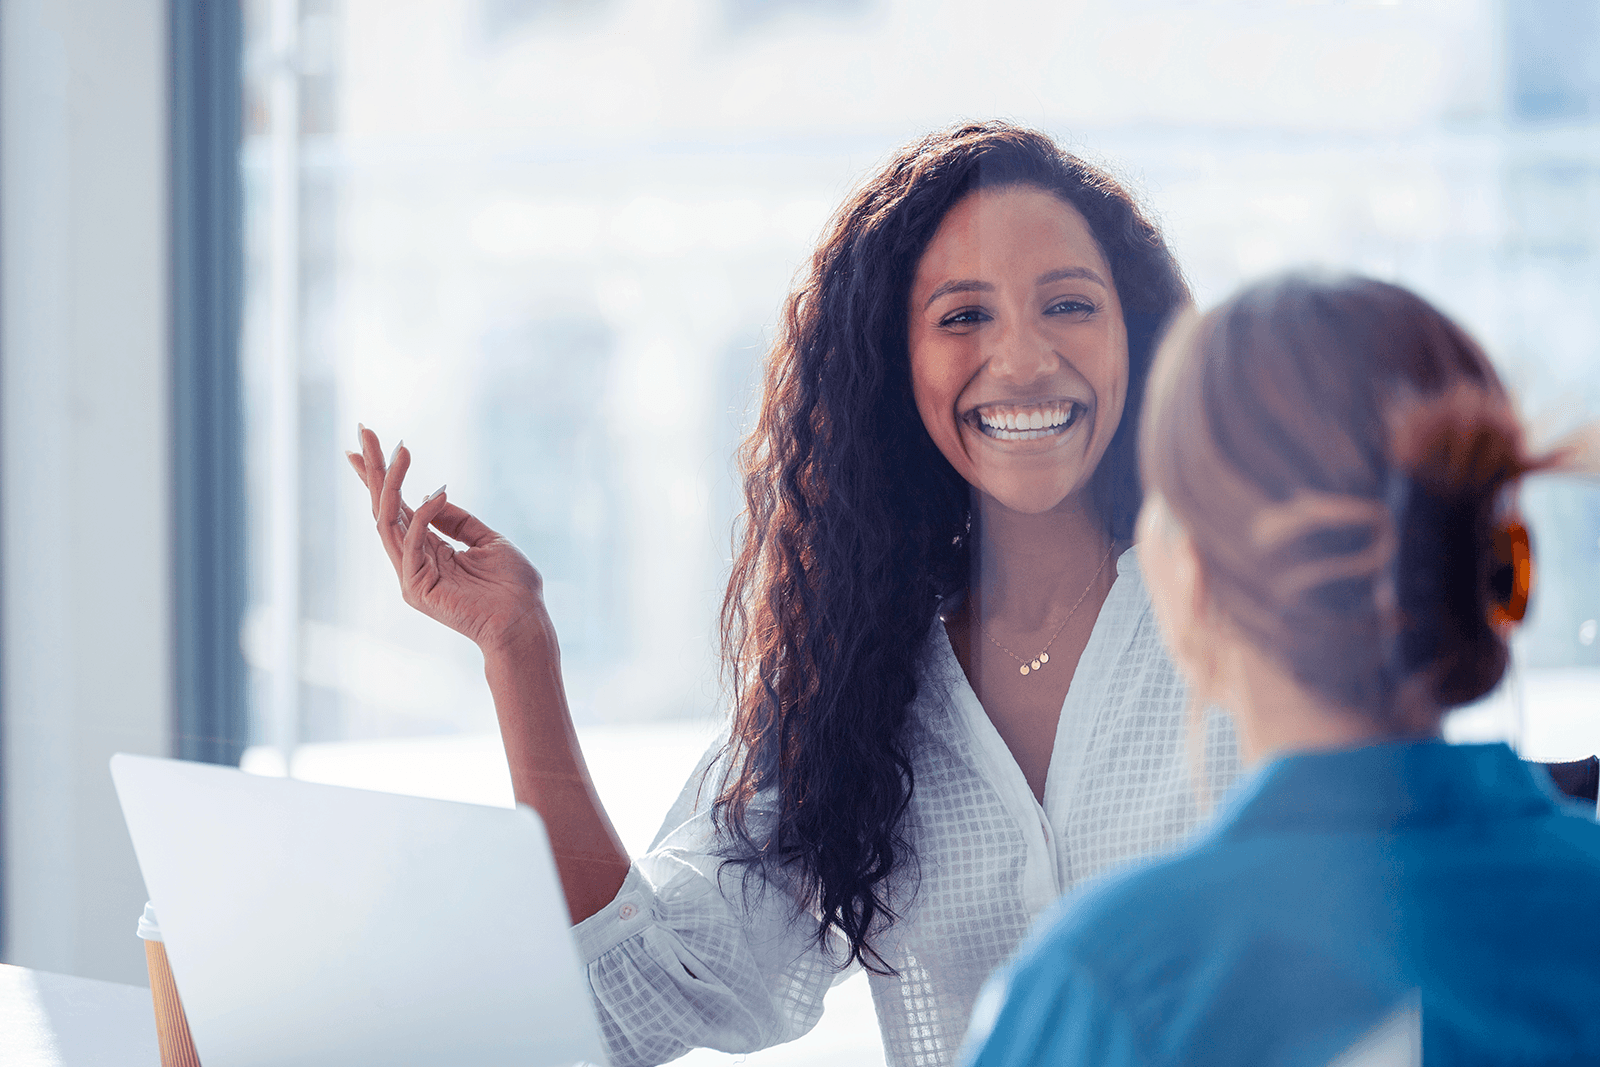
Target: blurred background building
545,242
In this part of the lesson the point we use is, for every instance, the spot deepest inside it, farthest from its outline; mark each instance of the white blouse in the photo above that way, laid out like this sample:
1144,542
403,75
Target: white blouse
684,959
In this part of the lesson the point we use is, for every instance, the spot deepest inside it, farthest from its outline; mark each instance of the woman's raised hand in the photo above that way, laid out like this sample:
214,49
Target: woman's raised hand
487,591
491,593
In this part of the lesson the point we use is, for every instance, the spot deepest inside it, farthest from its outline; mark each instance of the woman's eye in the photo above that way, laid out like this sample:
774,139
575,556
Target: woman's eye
1070,306
964,317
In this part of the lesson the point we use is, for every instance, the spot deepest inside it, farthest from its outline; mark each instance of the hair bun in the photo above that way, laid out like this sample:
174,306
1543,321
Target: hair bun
1454,456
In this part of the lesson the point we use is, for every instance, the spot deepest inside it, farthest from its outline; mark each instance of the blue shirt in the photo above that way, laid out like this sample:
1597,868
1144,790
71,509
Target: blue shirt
1332,887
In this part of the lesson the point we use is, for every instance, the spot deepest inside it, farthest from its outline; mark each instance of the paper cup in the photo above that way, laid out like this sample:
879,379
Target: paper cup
172,1026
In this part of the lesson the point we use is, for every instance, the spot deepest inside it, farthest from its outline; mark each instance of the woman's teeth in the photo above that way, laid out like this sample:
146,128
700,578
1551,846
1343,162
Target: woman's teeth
1026,423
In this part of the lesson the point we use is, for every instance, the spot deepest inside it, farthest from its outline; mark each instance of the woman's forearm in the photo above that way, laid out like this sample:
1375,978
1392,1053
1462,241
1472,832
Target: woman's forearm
548,772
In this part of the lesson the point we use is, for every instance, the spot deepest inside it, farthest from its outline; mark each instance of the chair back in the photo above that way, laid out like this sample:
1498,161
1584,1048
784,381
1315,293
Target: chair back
1579,779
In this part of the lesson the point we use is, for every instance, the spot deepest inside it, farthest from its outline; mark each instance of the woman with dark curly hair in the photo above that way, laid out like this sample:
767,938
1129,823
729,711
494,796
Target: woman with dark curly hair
950,700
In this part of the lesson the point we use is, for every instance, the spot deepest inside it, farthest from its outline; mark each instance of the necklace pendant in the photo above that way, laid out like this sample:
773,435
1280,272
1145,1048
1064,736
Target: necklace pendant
1024,667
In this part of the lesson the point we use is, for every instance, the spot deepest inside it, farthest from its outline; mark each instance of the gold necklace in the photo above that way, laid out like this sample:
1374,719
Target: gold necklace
1044,656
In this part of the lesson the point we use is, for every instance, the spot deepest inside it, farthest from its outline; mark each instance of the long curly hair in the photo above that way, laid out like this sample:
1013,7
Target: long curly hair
855,525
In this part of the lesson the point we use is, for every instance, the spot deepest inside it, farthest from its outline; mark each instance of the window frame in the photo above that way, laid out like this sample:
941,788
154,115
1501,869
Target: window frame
210,712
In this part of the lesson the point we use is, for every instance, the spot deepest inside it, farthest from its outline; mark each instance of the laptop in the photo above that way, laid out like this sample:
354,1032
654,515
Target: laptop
318,925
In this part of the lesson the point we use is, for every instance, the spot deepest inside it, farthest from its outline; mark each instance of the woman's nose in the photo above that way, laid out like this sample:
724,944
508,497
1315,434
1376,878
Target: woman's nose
1020,356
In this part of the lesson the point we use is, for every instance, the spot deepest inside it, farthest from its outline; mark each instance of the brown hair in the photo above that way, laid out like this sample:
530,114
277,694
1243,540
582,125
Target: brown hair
1340,452
855,525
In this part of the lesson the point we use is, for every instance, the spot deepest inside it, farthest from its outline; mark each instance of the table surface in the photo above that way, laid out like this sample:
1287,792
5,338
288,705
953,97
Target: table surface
56,1020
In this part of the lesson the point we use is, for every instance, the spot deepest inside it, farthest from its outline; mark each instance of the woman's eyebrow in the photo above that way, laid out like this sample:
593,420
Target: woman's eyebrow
1071,272
972,285
959,285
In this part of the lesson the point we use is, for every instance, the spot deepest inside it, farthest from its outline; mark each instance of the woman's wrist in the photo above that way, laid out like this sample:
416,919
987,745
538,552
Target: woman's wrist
529,635
523,669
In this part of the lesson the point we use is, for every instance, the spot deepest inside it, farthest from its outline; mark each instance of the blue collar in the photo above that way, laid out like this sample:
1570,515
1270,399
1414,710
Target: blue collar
1389,786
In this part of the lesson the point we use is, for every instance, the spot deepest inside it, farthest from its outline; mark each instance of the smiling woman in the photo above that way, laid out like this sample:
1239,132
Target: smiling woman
1019,363
1019,366
944,450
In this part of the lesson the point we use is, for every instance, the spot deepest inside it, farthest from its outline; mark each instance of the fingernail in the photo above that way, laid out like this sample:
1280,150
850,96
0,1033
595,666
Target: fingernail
351,456
361,436
433,494
398,445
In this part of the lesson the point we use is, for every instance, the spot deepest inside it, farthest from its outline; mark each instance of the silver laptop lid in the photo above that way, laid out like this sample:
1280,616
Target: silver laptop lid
314,924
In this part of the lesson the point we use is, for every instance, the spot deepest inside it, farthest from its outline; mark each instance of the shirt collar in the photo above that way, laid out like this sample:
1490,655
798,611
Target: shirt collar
1387,786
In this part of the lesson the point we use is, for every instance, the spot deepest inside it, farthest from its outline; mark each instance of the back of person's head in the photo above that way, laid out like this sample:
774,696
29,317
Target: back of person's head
1341,455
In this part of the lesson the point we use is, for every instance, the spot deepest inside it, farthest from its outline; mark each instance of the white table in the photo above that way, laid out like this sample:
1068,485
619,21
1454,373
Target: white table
55,1020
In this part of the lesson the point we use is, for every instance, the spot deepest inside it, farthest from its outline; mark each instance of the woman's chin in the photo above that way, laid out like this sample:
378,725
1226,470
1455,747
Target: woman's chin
1034,477
1029,497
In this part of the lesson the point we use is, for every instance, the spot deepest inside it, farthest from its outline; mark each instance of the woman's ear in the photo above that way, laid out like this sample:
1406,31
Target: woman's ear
1207,650
1176,578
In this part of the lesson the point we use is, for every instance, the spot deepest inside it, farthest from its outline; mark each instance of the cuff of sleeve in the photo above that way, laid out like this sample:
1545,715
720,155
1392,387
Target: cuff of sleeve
626,916
148,928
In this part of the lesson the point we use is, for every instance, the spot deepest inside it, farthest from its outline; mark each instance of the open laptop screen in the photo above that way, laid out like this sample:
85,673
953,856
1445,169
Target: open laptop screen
315,924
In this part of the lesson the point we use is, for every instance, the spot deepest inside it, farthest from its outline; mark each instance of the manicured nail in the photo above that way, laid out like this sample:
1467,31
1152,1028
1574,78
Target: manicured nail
351,456
437,492
398,445
361,437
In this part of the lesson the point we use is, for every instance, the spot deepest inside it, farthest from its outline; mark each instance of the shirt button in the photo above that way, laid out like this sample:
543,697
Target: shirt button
627,911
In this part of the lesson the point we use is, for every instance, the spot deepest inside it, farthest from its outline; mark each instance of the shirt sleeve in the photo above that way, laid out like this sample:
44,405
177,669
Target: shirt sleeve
692,954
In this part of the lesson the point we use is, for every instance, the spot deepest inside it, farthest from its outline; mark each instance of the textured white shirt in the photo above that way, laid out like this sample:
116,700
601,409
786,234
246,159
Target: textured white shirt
683,958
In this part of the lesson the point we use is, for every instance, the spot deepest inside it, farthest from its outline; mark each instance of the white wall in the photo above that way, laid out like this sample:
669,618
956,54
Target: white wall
84,462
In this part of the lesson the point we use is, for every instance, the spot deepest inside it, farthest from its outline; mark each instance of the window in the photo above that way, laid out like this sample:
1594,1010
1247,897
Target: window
545,243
